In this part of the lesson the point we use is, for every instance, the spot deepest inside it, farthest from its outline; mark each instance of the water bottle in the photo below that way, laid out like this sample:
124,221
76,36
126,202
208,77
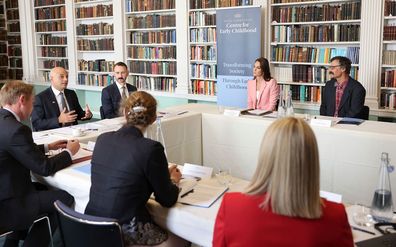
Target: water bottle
159,137
382,205
281,106
289,105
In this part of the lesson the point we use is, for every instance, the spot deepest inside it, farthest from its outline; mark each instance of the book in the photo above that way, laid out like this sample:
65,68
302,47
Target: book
347,120
382,241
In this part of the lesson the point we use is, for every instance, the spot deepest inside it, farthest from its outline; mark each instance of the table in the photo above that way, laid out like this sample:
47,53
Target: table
182,134
349,155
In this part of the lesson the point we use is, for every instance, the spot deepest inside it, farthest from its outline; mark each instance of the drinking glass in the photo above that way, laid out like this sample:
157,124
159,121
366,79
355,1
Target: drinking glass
223,176
362,216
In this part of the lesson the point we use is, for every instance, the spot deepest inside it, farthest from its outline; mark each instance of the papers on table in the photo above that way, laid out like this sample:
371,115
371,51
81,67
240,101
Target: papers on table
82,155
165,114
258,112
348,120
203,194
86,168
191,170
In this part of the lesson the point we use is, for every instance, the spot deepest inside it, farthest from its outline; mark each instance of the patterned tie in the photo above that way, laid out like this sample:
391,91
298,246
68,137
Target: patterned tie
63,102
124,94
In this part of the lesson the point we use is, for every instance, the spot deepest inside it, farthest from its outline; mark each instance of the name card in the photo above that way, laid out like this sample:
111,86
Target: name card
333,197
321,122
232,113
197,171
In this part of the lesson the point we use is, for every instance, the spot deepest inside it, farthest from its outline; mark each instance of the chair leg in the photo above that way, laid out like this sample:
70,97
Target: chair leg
49,227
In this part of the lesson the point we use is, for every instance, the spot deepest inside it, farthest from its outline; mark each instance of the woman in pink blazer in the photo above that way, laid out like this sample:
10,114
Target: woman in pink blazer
281,206
263,90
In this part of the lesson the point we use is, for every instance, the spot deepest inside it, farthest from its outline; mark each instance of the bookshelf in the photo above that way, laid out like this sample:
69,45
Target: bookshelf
3,43
202,44
14,49
388,65
94,35
304,36
150,35
50,37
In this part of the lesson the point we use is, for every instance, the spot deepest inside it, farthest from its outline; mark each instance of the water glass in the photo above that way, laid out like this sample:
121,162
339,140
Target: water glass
362,216
223,176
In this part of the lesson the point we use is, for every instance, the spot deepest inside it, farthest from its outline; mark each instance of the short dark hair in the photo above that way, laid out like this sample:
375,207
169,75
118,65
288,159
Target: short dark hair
344,62
122,64
264,65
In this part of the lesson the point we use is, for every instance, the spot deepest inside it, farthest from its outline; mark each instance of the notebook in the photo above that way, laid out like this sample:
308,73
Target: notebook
387,240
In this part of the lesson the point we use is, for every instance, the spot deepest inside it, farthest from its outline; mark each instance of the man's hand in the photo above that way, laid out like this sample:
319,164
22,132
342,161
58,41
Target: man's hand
67,117
73,146
57,145
88,113
174,173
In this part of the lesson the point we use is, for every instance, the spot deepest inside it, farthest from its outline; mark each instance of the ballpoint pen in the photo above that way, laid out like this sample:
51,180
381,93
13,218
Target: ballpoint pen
191,191
362,230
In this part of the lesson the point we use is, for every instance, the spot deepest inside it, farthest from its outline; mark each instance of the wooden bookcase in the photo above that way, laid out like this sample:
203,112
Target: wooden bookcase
304,36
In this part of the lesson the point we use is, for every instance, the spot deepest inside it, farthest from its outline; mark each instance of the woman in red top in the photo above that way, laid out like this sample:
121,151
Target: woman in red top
281,206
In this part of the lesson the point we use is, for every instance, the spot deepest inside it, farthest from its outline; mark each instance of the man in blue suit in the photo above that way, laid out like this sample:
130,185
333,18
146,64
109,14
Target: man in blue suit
342,96
57,106
112,94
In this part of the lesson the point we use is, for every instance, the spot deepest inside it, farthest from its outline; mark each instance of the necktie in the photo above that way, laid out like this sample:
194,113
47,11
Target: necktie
63,102
124,94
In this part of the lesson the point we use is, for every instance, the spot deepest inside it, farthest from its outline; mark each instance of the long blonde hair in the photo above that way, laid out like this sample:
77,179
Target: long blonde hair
288,170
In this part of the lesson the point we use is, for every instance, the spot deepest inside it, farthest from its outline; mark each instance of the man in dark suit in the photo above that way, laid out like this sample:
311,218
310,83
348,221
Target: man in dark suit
57,106
342,96
21,202
112,94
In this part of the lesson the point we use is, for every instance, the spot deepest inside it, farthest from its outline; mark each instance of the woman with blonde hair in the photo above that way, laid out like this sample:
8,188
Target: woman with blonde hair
126,169
281,206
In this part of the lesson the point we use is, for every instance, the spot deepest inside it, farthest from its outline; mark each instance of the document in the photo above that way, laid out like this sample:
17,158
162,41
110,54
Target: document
203,194
81,155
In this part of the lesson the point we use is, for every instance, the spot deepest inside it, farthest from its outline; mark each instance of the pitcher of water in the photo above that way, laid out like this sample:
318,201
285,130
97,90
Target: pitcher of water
382,205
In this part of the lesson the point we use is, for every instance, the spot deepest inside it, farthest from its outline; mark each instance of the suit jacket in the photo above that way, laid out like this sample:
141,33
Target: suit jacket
352,101
19,203
241,222
123,181
111,99
269,94
46,110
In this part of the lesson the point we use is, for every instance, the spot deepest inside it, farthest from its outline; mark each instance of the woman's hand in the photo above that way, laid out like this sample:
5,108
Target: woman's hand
174,173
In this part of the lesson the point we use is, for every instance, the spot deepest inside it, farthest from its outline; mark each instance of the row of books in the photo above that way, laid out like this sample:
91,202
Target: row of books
153,83
147,5
14,51
94,80
389,32
38,3
94,11
388,100
313,54
3,35
2,22
157,68
151,21
53,52
203,71
320,33
3,48
156,37
3,60
95,44
325,12
53,26
168,52
203,34
100,65
12,14
49,64
302,93
204,52
389,57
388,78
203,87
51,39
14,39
50,13
291,1
11,4
390,8
15,62
203,4
200,18
95,29
309,74
15,73
14,27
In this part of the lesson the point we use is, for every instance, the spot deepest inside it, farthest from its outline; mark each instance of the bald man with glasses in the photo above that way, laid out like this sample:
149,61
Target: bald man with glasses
342,96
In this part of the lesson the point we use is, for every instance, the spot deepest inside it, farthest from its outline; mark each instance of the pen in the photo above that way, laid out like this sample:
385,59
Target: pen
180,113
191,191
93,129
360,229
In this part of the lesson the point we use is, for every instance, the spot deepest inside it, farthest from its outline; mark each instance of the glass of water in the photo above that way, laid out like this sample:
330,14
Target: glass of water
362,216
223,176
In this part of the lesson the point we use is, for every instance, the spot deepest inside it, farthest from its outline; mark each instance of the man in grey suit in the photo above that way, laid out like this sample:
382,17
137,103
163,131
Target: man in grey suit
21,200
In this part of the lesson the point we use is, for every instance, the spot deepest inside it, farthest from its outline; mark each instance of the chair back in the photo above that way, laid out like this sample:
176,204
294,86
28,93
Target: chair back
87,231
364,114
102,115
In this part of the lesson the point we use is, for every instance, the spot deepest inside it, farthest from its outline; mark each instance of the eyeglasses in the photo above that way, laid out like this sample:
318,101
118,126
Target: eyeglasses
334,66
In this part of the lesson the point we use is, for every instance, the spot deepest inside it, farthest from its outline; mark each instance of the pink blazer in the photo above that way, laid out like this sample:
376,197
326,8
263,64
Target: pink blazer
269,94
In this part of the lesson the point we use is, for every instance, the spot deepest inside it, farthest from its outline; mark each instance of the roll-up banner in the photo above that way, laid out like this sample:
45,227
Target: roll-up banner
238,45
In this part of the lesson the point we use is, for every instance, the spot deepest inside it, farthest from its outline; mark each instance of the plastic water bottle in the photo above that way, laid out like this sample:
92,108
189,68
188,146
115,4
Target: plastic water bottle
382,205
289,105
281,106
